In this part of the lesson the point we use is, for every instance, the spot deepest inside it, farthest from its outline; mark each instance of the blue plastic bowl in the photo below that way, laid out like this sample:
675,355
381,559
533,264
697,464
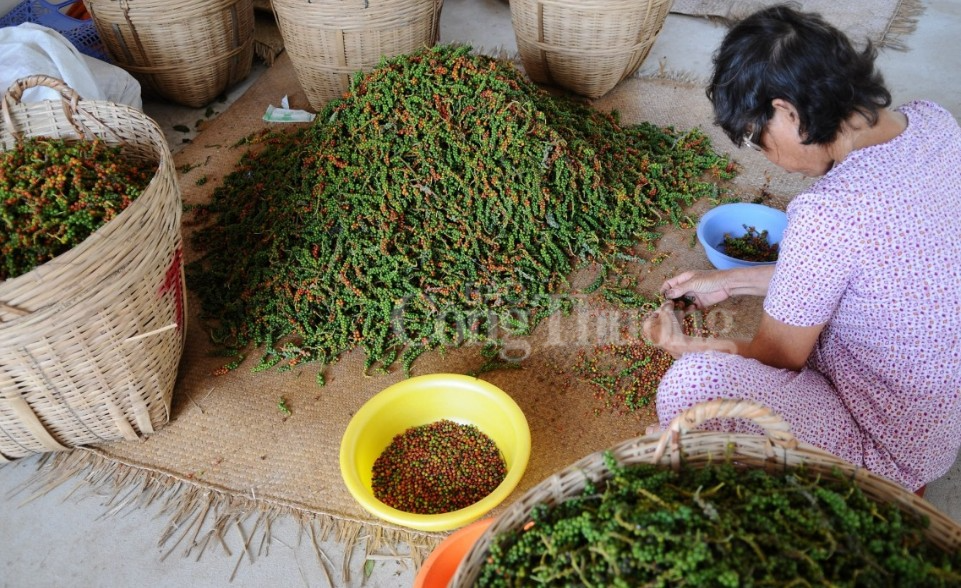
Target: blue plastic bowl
732,218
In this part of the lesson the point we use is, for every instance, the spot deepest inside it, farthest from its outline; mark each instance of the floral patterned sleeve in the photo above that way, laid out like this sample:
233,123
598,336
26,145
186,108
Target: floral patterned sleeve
817,261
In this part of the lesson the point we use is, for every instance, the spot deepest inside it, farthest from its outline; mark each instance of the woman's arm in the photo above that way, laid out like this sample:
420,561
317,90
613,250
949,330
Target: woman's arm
775,344
708,288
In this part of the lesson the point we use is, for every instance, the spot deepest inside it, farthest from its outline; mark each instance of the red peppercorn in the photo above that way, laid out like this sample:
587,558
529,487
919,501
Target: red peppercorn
436,468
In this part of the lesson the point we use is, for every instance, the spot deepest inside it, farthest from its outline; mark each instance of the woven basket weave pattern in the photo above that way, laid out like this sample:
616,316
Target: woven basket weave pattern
187,51
772,452
586,46
90,341
329,41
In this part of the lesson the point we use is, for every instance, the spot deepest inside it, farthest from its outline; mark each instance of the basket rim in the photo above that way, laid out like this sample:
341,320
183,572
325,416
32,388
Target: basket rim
746,451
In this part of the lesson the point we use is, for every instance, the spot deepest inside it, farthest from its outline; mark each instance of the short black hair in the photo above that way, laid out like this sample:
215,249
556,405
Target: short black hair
780,52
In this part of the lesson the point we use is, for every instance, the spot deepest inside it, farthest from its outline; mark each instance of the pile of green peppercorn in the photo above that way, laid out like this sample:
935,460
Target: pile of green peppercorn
444,200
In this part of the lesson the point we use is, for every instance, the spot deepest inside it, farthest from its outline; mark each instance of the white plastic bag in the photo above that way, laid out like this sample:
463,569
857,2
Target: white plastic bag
30,49
285,113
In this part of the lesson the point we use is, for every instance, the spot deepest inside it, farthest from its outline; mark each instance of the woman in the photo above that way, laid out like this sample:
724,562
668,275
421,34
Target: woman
859,346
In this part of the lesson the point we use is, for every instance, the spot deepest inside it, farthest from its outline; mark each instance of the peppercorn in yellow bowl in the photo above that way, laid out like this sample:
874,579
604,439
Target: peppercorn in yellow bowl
420,401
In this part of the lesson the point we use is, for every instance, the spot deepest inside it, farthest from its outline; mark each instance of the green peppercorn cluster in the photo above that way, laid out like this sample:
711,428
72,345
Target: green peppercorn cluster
445,199
751,246
718,526
54,193
436,468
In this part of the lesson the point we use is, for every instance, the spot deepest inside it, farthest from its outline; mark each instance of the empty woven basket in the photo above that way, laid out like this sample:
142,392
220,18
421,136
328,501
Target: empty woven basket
682,446
329,41
586,46
187,51
90,341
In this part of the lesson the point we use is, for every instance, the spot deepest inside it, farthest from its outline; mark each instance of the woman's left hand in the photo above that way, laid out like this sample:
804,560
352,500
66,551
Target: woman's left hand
662,328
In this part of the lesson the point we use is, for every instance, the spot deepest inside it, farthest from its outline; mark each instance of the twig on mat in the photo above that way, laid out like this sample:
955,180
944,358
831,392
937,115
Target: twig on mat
198,522
194,402
378,557
203,547
245,539
321,556
240,558
204,399
264,548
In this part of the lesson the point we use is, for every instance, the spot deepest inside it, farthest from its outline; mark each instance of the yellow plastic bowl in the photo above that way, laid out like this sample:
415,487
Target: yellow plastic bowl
420,401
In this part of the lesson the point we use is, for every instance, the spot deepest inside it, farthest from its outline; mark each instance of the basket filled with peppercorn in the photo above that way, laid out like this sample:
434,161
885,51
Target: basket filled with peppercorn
435,452
706,508
91,281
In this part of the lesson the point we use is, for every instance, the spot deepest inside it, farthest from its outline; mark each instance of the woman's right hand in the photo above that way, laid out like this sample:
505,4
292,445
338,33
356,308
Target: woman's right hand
709,287
706,288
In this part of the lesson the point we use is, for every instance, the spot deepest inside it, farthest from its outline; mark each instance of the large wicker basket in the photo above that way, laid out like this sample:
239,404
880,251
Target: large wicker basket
329,41
187,51
91,340
773,451
586,46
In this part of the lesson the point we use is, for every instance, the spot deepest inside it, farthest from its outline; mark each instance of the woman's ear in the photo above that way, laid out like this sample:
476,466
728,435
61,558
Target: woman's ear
786,109
788,115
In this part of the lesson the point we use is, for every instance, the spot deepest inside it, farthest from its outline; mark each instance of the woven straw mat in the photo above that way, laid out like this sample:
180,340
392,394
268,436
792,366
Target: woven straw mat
228,436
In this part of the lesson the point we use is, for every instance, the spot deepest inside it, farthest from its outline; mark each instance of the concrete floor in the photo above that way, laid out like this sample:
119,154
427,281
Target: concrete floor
63,537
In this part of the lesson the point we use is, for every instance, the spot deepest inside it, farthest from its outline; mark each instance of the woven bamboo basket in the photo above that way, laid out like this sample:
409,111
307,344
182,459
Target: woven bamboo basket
187,51
91,340
773,451
329,41
586,46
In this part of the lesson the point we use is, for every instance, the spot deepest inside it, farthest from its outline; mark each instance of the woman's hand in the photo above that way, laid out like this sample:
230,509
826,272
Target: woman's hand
776,344
708,288
662,328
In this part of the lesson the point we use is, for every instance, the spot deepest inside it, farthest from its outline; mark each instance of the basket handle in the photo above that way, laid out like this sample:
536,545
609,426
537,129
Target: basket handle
68,97
778,430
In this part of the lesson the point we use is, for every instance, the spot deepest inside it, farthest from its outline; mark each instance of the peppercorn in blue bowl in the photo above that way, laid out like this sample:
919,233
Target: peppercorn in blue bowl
740,221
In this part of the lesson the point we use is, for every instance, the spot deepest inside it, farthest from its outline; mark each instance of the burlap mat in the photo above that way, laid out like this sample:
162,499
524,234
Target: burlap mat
229,455
884,22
